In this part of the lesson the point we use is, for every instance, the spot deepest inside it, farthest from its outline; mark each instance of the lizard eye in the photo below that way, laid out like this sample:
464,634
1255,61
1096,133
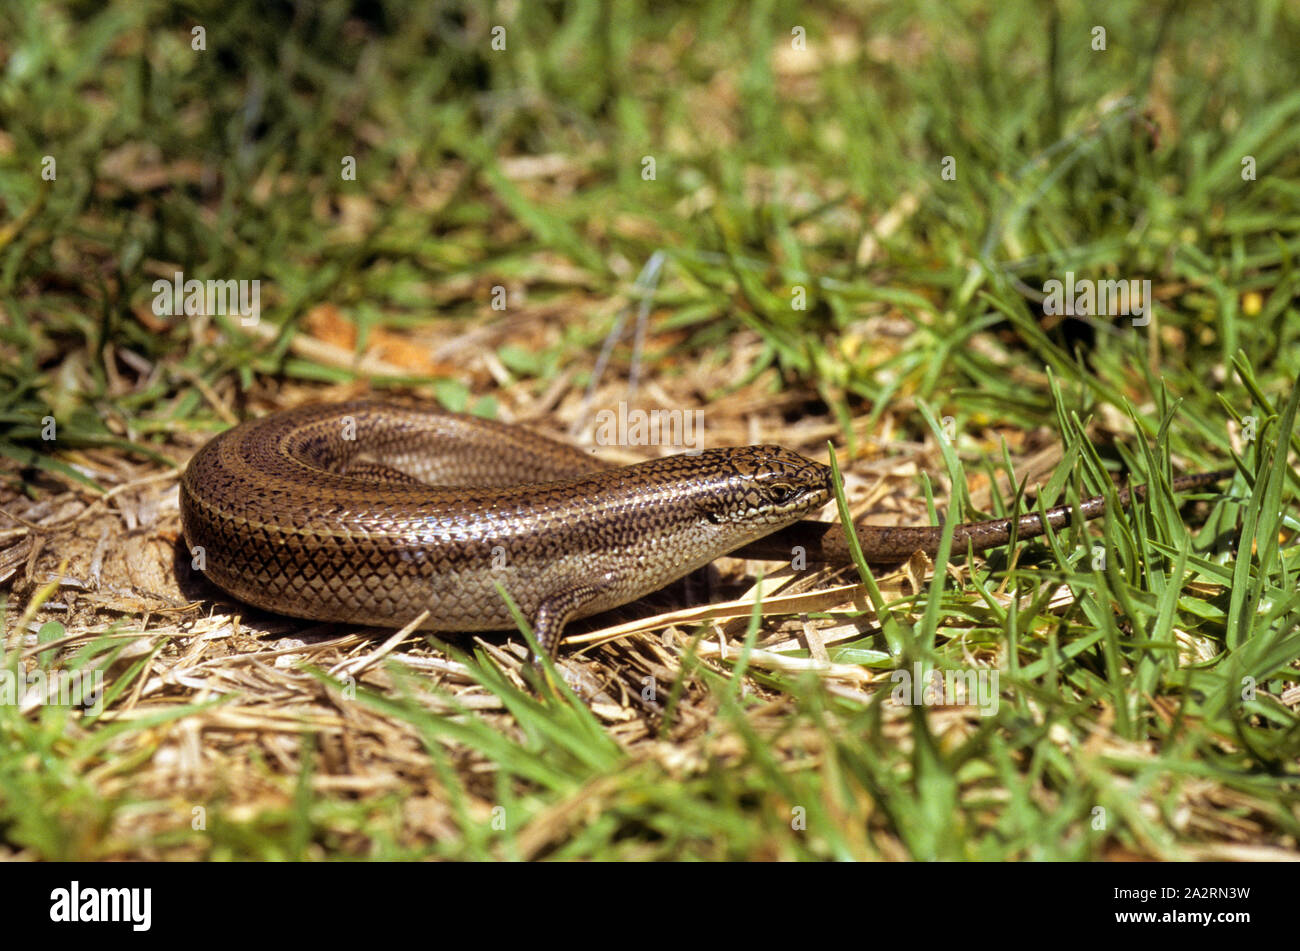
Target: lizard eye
784,492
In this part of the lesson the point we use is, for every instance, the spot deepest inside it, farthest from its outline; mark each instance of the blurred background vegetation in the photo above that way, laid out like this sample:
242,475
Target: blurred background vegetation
782,136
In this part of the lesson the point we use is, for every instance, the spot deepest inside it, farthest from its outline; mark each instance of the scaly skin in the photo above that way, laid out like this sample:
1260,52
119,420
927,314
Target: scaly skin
321,512
372,511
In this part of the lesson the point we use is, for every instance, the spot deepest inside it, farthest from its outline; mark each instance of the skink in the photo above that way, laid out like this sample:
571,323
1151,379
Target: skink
373,511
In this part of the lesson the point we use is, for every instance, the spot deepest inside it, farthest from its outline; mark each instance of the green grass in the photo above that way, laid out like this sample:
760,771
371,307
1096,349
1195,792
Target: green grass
771,165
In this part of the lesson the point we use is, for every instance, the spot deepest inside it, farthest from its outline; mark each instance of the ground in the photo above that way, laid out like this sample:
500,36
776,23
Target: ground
811,223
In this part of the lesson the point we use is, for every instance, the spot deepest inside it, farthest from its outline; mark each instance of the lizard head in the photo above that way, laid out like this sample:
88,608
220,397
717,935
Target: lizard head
765,486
